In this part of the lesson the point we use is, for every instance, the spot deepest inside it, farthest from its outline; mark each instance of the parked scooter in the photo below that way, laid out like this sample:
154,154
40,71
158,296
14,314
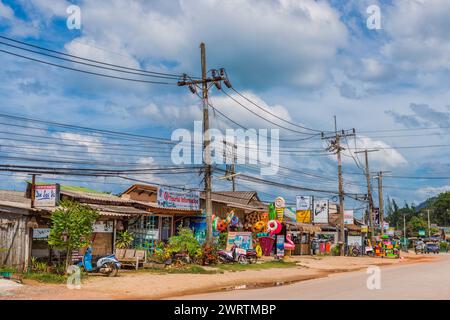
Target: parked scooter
236,254
108,265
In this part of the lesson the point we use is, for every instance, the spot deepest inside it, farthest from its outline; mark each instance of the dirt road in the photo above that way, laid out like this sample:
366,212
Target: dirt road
411,281
146,285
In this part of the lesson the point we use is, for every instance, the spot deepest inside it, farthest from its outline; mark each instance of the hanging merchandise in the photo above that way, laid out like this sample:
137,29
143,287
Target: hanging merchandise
279,208
274,227
289,244
272,213
258,227
221,225
234,221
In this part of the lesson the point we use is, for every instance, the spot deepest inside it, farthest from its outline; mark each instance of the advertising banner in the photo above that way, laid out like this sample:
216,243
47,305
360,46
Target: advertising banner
304,203
46,195
41,233
348,216
320,211
242,240
103,227
179,199
304,216
280,246
354,241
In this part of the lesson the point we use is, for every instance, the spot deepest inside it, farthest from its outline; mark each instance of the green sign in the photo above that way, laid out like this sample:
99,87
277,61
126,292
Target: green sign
421,232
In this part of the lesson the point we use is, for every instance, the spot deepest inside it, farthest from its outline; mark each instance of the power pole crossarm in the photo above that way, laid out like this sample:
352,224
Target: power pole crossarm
335,145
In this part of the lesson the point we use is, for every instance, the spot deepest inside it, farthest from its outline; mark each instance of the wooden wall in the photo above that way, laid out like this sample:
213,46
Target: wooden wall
14,240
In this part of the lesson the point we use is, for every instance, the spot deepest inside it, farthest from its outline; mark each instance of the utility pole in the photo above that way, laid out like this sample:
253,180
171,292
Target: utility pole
33,189
379,176
369,187
335,146
205,83
429,224
404,232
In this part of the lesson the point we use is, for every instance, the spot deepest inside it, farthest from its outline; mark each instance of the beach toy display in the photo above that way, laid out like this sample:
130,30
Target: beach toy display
272,213
289,244
274,227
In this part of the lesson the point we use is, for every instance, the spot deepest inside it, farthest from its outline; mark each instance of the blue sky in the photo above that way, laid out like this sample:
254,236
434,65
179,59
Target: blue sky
304,60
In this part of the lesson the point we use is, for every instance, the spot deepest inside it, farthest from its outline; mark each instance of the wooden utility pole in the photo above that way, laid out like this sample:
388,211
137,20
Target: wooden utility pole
335,146
380,200
369,187
33,190
217,76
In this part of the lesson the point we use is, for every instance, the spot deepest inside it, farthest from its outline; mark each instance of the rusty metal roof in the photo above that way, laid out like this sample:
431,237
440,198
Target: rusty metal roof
238,197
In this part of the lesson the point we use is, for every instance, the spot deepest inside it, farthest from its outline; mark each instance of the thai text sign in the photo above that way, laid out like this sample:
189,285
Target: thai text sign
180,199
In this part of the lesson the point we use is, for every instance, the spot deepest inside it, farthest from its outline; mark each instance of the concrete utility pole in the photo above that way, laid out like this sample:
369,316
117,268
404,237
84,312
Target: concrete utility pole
369,187
335,146
217,76
380,198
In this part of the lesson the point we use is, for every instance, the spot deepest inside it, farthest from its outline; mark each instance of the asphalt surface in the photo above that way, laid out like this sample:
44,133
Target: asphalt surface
429,280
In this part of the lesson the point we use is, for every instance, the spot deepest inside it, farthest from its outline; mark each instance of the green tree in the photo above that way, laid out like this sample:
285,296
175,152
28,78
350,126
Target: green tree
72,226
416,223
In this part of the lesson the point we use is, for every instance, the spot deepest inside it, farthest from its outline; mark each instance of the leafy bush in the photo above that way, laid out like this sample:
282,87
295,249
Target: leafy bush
185,241
209,255
124,240
444,246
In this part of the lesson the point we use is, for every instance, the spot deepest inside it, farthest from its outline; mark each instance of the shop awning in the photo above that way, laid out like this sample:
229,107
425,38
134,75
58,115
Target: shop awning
304,227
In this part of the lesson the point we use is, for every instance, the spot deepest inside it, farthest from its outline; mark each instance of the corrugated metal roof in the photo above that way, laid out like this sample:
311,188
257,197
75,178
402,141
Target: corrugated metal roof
95,196
239,197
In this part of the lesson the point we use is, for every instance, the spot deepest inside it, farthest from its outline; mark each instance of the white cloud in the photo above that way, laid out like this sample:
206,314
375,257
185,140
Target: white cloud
384,158
427,192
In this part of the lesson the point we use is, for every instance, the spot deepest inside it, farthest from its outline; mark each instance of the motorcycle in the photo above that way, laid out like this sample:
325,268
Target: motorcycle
108,265
239,255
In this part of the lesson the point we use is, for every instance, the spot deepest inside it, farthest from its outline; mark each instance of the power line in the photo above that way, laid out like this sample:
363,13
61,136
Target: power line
84,71
90,60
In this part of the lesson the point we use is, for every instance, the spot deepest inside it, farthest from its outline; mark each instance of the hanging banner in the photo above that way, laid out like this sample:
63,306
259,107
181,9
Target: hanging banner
348,217
280,246
179,199
242,240
320,211
304,203
41,233
46,195
304,216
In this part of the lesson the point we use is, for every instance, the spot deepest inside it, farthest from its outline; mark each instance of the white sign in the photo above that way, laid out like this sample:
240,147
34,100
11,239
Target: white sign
103,227
41,233
46,195
320,211
354,241
348,217
304,203
180,199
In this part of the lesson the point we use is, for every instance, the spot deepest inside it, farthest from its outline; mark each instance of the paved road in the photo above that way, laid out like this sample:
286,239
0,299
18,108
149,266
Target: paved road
410,281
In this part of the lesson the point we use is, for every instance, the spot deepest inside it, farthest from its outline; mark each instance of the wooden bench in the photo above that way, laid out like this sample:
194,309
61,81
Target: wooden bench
131,257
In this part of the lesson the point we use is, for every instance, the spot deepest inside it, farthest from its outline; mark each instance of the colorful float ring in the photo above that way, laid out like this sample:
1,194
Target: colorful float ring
272,225
280,203
234,221
214,223
221,226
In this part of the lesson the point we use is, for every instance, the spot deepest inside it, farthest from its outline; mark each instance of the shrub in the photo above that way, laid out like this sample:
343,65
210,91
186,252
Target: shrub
185,241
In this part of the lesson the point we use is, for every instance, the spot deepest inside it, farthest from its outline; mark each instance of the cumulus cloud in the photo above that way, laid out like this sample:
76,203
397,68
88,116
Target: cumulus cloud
385,157
427,192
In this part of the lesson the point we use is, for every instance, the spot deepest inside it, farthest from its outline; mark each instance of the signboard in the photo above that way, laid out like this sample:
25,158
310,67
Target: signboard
320,211
421,233
41,233
348,217
103,227
354,241
364,229
304,216
242,240
46,195
304,203
385,225
280,246
390,231
177,198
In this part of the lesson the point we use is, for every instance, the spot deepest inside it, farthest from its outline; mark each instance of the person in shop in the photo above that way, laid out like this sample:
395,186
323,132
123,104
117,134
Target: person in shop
314,246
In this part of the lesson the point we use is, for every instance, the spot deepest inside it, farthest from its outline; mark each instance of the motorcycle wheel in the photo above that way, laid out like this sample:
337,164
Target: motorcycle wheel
113,268
253,259
243,260
222,259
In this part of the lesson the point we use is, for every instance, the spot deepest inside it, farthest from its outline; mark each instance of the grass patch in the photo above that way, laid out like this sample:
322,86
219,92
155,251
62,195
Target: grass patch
257,266
45,277
192,269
